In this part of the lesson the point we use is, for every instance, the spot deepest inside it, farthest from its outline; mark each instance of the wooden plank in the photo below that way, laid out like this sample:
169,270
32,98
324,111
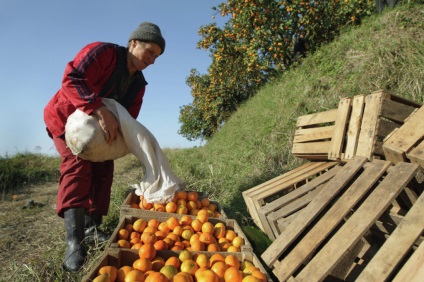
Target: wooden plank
317,118
386,127
395,111
354,126
370,119
292,196
392,252
336,147
417,154
311,148
313,134
308,214
413,270
405,137
292,208
312,240
358,224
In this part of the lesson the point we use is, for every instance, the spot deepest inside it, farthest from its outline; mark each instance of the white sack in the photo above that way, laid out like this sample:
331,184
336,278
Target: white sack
86,140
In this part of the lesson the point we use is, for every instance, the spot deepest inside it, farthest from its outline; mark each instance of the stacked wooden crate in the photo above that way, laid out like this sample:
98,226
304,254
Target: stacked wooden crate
330,224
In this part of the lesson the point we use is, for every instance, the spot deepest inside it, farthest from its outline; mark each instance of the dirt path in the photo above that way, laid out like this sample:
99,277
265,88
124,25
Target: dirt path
27,233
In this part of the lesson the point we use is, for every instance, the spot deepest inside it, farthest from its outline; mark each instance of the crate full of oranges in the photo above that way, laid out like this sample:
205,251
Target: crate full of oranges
179,232
165,266
184,202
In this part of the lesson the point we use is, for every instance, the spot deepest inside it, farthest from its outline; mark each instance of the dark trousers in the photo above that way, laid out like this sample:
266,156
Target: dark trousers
381,3
83,184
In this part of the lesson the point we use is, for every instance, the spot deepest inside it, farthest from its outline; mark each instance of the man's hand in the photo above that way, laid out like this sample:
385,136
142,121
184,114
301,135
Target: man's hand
108,123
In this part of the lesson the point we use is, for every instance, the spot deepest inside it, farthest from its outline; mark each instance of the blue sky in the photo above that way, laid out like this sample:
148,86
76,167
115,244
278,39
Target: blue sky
38,38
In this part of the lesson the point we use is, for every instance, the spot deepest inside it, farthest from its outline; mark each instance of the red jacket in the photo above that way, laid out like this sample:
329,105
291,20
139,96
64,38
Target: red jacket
82,82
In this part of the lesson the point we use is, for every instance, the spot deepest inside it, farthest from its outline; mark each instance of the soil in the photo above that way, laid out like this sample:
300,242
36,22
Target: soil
29,225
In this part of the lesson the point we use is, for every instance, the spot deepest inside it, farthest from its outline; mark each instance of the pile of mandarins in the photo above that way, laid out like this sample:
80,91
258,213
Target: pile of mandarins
184,267
183,203
193,234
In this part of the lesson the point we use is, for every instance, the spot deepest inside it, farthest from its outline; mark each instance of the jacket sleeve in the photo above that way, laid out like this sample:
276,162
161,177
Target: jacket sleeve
134,110
86,75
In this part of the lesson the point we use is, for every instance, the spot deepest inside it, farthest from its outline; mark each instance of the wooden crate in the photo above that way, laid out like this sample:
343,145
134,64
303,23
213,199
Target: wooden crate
357,127
329,230
230,224
128,209
276,215
258,196
121,257
406,143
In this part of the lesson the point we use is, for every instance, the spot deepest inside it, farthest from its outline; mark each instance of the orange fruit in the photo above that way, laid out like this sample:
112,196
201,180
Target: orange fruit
135,276
148,238
232,249
157,263
122,272
202,260
233,274
159,207
197,246
169,270
145,205
160,245
164,227
232,261
172,222
134,241
181,195
178,230
123,234
156,277
143,264
214,247
173,261
150,229
207,276
139,225
224,245
260,275
182,202
183,277
189,266
111,271
124,244
182,209
169,242
216,257
219,267
102,278
196,225
250,278
237,241
180,245
203,217
207,238
171,207
186,234
230,235
136,246
185,255
219,230
194,237
194,212
191,205
212,207
147,251
205,202
129,227
135,235
208,227
192,196
153,223
186,220
250,269
174,237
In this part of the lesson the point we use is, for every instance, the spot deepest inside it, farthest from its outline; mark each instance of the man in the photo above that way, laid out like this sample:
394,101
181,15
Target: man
98,70
300,45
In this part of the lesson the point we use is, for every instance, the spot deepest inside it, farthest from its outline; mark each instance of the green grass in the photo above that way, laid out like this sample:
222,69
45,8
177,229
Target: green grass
386,52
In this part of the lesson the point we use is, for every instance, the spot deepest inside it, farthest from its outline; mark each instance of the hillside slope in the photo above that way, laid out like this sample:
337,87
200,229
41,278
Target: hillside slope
385,52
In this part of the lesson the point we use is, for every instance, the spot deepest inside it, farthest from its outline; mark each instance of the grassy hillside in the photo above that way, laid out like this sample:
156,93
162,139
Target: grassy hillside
386,52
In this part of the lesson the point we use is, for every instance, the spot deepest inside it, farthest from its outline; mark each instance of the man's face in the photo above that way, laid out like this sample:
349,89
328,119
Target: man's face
145,54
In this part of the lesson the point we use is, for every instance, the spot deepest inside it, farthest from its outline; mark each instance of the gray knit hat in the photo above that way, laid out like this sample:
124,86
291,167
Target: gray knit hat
148,32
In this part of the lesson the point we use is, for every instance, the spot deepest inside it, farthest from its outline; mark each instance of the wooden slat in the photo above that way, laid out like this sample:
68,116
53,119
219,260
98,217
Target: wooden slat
396,247
395,111
336,147
317,118
417,154
313,134
292,196
358,224
308,214
354,126
369,125
311,148
386,127
413,270
311,241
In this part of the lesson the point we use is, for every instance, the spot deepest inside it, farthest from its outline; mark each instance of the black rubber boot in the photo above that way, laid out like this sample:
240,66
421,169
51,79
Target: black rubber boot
93,234
75,252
